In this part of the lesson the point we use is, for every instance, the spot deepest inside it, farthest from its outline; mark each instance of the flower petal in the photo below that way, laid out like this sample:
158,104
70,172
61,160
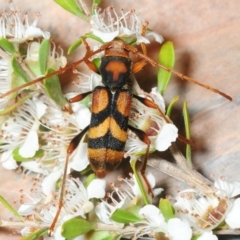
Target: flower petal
208,236
80,159
179,230
166,136
7,160
156,36
49,182
232,219
34,167
96,189
105,36
152,214
30,145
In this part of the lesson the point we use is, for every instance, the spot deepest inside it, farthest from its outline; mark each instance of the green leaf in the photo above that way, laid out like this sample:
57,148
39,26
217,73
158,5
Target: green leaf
188,135
75,227
92,36
124,216
97,62
10,208
74,46
43,55
166,209
72,7
170,106
89,178
140,183
36,234
7,46
15,105
18,70
54,90
167,59
77,43
16,156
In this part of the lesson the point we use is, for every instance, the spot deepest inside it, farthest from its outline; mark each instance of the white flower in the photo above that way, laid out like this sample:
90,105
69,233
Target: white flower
179,230
152,182
15,26
232,219
153,215
20,129
226,188
104,210
43,208
202,212
174,229
109,25
153,123
230,190
208,236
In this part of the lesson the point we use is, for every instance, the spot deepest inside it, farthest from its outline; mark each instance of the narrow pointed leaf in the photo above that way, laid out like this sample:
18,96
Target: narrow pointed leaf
74,46
18,70
35,235
166,209
170,106
124,216
75,227
7,46
10,208
19,158
188,135
15,105
72,7
92,36
43,55
140,183
166,58
54,90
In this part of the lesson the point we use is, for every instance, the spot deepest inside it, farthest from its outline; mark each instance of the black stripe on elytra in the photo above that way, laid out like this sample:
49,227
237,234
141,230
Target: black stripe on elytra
107,141
110,111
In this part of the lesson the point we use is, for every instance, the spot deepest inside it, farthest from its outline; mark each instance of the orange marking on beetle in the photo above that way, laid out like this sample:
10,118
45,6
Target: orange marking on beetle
116,67
105,155
124,103
100,100
104,160
100,130
117,132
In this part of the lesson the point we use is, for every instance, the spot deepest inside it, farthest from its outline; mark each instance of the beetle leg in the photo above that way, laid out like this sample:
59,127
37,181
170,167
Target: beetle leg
138,66
79,97
153,105
143,137
72,146
90,64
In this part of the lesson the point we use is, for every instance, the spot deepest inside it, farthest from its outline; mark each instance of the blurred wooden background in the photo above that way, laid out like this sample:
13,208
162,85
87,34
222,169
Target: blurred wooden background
206,36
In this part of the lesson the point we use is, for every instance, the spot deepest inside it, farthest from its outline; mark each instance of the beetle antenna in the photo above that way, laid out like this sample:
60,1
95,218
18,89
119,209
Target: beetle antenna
180,75
60,71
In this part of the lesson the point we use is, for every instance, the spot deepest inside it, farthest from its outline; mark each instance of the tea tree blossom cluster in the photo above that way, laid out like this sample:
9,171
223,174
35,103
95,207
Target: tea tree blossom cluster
37,125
